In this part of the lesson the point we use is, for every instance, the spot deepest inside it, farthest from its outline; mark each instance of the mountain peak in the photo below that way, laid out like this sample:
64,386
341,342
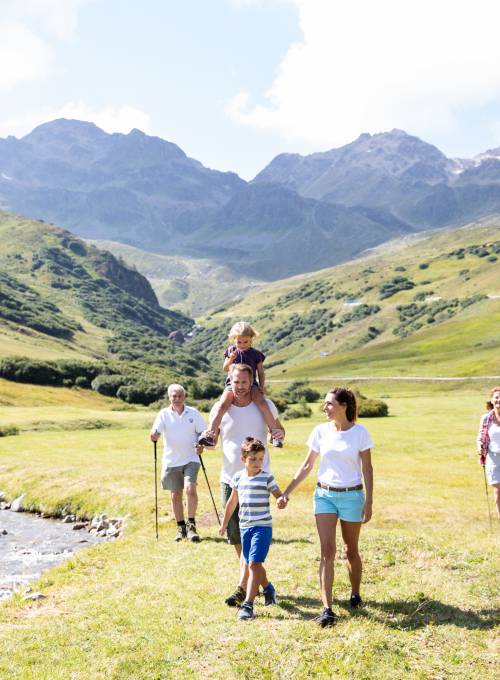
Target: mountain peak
64,128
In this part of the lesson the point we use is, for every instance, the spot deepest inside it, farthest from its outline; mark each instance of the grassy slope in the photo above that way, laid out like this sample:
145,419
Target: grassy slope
135,608
462,345
191,286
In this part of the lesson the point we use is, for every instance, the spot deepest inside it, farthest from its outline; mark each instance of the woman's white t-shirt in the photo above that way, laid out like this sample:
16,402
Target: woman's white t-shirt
340,462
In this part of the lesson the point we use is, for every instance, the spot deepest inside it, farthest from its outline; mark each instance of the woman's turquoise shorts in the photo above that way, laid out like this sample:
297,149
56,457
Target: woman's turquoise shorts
347,505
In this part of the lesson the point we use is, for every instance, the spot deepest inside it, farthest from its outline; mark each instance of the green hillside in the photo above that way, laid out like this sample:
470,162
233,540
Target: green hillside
189,285
60,298
426,305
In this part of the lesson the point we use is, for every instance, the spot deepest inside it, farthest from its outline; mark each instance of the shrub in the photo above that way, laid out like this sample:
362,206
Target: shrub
204,389
108,384
8,430
372,408
300,390
423,265
300,410
141,393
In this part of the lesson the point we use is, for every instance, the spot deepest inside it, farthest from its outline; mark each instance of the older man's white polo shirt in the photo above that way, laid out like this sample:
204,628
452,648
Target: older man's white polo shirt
180,435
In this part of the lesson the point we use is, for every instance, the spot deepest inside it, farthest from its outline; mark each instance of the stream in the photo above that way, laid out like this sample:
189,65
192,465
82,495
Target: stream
30,545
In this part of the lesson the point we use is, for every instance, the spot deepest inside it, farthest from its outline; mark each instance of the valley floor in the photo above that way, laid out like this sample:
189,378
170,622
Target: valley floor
137,608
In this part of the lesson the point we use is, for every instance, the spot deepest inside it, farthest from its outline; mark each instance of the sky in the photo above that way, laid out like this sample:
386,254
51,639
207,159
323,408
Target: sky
236,82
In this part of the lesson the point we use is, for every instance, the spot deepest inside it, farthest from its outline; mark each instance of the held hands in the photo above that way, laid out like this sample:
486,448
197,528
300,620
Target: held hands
282,502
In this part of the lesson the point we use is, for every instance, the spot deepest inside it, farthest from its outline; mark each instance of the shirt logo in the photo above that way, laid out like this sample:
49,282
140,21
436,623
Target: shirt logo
191,420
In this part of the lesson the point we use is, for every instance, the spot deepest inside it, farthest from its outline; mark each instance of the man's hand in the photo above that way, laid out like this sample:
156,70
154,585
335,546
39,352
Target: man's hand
154,436
199,449
222,530
482,459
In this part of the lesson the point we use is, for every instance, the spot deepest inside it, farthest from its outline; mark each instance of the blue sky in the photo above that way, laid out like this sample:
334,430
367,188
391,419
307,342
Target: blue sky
235,82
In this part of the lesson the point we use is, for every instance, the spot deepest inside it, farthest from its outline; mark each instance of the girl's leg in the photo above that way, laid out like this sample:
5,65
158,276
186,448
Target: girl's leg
257,576
326,525
260,401
350,534
224,404
496,493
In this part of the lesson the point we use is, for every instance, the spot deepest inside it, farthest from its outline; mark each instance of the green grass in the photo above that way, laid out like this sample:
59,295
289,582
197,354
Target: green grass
135,608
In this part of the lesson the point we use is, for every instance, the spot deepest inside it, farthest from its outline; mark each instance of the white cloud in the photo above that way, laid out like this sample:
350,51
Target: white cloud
110,119
26,27
55,17
366,66
23,56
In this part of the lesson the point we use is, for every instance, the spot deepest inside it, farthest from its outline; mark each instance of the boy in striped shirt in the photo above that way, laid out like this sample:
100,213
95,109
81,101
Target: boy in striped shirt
251,489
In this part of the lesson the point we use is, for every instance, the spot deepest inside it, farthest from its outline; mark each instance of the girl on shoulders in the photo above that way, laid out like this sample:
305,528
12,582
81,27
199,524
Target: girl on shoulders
241,351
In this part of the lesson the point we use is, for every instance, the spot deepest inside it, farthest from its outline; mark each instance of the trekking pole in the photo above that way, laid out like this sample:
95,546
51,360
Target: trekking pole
156,495
208,484
486,490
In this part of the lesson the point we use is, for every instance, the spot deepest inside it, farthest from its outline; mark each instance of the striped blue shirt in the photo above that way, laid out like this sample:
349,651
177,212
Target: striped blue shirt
253,497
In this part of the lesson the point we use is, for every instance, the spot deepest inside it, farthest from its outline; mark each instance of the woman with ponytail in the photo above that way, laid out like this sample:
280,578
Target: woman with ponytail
344,450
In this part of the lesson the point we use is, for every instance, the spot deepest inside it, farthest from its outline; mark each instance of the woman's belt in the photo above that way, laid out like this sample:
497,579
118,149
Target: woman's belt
358,487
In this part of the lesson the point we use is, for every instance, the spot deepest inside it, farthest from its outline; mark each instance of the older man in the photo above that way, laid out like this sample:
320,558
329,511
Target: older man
243,419
181,426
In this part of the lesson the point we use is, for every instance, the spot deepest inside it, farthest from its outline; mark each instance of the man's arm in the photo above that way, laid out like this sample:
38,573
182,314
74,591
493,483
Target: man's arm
230,508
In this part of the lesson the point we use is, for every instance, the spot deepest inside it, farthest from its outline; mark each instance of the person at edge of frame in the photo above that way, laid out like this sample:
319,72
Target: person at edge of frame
488,443
180,426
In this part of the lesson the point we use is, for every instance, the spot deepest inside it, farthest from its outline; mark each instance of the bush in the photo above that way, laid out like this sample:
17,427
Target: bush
108,384
8,430
141,393
372,408
204,389
300,390
300,410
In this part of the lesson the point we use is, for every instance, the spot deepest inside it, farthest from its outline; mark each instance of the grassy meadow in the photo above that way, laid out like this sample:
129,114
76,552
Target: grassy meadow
137,608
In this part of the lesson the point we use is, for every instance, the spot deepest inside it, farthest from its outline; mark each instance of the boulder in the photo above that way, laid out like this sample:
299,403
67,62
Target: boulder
17,504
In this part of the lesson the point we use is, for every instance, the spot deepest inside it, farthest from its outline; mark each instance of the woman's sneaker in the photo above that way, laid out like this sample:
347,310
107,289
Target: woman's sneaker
246,611
326,618
237,598
269,594
355,601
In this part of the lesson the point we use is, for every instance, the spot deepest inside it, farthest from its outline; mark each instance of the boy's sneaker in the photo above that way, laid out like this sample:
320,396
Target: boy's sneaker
355,601
246,611
237,598
206,440
269,594
181,533
191,533
326,618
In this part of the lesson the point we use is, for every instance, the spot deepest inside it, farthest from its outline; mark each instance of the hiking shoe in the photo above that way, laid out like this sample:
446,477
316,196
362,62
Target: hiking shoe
206,440
191,533
246,611
355,601
237,598
326,618
269,594
181,533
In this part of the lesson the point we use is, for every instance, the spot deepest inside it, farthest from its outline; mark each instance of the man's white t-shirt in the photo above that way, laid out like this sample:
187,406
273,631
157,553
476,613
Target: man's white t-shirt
180,435
240,422
340,462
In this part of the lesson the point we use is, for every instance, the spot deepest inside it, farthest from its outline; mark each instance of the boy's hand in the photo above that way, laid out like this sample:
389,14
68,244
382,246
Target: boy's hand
367,513
222,530
282,502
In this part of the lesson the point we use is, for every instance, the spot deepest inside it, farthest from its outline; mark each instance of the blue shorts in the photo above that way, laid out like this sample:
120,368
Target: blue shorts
347,505
255,542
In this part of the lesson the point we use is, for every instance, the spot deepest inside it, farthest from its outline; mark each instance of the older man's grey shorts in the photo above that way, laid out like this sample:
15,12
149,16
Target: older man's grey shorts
233,527
174,478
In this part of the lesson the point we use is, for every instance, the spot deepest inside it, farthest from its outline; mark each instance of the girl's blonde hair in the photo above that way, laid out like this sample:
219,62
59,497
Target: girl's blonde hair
242,328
